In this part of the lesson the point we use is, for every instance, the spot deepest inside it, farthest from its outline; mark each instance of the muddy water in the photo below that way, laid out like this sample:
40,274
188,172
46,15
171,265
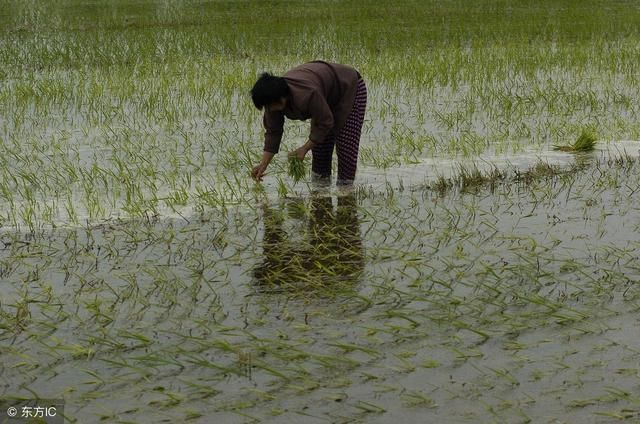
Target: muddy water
428,170
499,305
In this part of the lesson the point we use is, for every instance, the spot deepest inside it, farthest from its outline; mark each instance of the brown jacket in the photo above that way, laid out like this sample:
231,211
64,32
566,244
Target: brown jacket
322,91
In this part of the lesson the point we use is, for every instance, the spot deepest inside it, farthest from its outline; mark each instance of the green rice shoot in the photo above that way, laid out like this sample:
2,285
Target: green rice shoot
585,143
296,168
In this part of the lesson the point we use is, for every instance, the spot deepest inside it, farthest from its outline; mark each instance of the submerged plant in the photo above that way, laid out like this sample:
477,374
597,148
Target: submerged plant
296,168
585,143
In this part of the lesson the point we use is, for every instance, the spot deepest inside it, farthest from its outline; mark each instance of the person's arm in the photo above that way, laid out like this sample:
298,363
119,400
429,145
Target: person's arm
259,170
301,151
321,124
274,127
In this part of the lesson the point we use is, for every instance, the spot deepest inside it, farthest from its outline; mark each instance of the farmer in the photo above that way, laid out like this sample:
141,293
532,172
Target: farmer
334,96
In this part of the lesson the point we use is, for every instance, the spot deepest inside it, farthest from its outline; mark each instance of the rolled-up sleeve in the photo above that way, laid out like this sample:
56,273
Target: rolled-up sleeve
321,118
273,128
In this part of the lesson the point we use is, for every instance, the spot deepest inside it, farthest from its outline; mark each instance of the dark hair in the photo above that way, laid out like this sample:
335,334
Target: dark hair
268,89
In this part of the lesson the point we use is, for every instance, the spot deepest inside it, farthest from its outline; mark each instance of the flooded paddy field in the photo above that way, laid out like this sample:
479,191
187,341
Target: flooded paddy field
472,274
507,304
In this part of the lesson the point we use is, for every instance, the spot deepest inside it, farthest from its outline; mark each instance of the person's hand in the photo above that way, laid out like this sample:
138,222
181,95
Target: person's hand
301,151
258,171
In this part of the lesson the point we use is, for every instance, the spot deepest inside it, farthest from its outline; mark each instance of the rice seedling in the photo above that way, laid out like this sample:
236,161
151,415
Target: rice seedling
367,407
586,142
296,168
417,399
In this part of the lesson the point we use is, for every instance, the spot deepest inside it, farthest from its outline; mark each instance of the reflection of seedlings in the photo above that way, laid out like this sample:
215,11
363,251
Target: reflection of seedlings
297,209
442,185
538,171
473,178
470,178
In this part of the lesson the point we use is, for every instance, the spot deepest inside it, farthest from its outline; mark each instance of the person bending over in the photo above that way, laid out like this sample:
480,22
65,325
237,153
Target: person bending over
333,96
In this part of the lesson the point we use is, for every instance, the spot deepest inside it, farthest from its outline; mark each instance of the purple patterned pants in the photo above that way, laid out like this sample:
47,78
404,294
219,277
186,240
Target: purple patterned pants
347,143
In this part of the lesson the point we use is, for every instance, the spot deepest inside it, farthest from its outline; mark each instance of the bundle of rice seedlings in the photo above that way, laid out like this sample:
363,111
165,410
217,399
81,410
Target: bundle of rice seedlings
585,143
296,168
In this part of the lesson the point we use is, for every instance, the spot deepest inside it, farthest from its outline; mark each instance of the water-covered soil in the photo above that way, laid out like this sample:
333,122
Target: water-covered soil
472,275
511,302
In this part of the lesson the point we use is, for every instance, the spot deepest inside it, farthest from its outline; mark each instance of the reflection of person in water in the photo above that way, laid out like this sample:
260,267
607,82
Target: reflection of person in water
330,251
